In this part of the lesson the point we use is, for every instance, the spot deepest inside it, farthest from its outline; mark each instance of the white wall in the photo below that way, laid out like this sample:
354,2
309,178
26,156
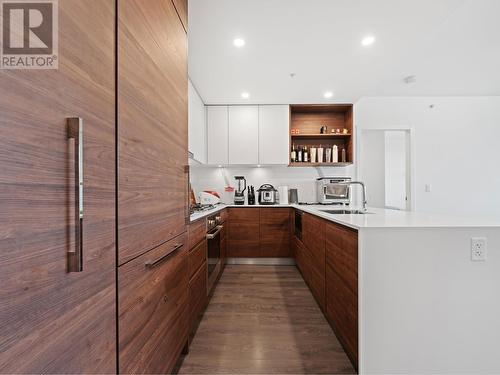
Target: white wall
456,148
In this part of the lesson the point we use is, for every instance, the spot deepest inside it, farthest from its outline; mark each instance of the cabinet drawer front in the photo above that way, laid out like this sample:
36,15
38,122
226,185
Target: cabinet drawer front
197,295
196,232
153,304
247,214
197,257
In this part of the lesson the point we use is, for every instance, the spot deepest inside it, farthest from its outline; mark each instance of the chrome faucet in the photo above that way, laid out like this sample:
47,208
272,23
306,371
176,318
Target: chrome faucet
349,183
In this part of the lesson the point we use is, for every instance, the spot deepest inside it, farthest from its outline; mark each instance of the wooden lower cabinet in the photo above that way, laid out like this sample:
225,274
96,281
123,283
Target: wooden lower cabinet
258,232
342,286
244,238
327,257
153,306
313,237
198,298
274,231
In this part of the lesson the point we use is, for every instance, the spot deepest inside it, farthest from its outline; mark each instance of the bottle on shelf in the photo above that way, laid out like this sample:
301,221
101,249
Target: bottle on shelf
293,154
320,154
299,155
344,156
312,151
335,154
305,155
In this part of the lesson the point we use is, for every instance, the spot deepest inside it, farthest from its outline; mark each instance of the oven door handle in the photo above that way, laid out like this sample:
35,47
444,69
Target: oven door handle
211,236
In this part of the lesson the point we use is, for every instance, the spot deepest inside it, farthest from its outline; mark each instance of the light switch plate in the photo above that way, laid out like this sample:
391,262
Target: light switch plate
478,249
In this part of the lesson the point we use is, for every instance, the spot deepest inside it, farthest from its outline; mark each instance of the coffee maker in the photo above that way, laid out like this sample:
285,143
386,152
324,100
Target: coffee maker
239,194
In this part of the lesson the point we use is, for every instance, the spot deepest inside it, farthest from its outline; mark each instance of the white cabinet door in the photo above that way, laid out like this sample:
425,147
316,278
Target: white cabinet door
217,134
243,135
197,126
274,134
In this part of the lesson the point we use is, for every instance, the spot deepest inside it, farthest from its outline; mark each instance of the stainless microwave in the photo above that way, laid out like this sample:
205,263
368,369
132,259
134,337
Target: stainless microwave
331,190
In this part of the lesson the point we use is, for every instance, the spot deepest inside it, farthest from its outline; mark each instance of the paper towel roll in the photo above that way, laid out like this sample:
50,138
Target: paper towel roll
283,194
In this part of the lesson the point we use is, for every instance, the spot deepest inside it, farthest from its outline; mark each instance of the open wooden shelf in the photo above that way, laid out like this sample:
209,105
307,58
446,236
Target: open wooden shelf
308,119
298,164
328,135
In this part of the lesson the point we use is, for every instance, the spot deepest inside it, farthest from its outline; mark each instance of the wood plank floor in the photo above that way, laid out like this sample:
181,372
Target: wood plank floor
264,320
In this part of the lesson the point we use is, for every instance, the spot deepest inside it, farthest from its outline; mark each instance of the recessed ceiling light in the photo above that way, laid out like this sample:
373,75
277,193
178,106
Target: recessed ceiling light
245,95
328,94
368,40
238,42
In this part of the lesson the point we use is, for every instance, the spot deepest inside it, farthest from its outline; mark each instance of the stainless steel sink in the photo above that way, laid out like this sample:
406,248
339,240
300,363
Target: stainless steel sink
345,212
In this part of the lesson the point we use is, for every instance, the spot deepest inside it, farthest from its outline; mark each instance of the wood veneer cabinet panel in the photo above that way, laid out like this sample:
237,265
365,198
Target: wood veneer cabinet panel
243,235
342,286
52,321
313,237
198,298
274,232
152,126
197,232
181,6
153,306
197,256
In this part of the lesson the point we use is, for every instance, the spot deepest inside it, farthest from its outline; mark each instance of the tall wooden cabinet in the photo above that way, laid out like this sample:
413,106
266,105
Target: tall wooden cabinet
152,145
152,126
52,320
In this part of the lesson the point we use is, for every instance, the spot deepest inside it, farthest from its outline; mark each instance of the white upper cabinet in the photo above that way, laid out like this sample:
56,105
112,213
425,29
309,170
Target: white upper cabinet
274,134
217,134
243,135
197,126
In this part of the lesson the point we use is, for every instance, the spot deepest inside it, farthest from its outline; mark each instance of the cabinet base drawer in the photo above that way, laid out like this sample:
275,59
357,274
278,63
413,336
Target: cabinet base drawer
152,308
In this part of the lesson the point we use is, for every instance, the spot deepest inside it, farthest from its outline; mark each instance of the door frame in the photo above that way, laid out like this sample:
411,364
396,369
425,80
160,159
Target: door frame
410,164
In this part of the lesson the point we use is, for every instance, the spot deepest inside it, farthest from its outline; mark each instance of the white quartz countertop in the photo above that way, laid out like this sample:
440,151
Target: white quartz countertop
384,218
375,218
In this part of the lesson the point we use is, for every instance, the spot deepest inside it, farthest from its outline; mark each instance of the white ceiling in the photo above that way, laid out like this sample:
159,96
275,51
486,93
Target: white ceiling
452,46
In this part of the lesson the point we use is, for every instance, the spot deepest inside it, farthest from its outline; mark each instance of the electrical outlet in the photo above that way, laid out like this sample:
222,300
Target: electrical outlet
478,249
428,188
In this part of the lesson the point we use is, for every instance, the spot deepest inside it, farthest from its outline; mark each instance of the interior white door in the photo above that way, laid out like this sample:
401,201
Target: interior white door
197,126
243,135
384,166
274,137
217,135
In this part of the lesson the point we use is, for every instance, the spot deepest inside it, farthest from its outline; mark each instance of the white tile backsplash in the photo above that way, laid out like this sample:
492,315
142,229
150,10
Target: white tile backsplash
302,179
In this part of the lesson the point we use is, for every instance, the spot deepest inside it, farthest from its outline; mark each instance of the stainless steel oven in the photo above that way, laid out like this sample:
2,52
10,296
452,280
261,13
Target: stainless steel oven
214,248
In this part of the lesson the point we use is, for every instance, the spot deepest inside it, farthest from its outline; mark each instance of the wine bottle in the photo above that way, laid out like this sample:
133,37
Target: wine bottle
293,154
299,155
305,155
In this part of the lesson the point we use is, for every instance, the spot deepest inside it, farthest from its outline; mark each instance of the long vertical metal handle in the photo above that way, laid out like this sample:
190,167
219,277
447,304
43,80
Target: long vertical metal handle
75,131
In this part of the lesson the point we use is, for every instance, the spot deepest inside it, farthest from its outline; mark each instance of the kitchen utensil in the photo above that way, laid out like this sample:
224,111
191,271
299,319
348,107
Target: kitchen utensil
267,194
239,194
251,196
293,196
